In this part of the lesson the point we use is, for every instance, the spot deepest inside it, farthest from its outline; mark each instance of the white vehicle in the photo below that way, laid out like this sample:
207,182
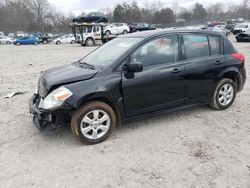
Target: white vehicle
1,33
65,39
116,29
90,36
241,28
20,34
5,40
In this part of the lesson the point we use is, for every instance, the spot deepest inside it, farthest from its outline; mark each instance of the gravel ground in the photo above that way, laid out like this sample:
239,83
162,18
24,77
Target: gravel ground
197,147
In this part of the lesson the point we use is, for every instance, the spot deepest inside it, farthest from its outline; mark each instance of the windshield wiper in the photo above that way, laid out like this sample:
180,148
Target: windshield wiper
86,65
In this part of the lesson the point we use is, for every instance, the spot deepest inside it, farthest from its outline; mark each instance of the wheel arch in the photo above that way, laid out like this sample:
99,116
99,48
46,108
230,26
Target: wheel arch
89,37
232,74
102,97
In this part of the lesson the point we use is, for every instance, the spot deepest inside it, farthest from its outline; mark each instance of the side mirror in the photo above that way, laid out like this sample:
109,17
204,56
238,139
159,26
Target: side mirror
134,66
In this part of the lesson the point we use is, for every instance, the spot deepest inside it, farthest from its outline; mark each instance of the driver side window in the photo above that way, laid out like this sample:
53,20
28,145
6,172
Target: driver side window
158,51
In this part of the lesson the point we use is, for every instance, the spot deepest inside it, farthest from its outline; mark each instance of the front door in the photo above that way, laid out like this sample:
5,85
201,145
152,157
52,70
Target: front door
161,83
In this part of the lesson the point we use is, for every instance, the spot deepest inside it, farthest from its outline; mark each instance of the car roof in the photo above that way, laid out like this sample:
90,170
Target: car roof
155,33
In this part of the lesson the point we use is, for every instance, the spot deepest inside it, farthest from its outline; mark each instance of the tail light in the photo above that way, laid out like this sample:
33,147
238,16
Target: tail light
239,57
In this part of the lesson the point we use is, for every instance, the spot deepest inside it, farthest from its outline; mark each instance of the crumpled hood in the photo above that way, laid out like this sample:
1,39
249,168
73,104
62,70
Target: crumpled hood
63,75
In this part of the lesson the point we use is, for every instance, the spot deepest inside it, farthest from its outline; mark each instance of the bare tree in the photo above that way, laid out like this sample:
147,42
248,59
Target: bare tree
41,10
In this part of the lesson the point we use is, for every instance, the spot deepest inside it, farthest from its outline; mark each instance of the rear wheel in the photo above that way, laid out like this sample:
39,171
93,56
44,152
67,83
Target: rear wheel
8,42
45,42
125,32
18,43
58,42
36,43
90,42
224,94
93,123
72,42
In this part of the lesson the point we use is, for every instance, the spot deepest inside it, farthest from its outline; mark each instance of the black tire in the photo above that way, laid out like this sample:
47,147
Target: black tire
215,100
79,114
45,42
72,42
125,32
58,42
8,42
107,33
89,42
18,44
36,43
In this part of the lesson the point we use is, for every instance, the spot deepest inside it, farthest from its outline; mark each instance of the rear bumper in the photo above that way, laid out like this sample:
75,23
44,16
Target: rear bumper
242,80
46,120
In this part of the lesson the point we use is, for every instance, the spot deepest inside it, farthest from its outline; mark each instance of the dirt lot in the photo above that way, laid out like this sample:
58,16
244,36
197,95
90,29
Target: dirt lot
197,147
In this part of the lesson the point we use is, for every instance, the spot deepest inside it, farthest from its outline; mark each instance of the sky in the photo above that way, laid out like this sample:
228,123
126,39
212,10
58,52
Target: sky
78,6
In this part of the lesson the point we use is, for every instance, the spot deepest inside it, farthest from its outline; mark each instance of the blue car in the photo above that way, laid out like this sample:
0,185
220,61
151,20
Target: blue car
26,40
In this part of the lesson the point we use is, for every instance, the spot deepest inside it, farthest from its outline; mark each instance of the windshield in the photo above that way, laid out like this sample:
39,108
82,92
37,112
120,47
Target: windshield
111,51
247,31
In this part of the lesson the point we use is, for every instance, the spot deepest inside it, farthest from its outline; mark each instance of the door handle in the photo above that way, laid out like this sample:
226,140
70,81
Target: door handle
176,70
218,62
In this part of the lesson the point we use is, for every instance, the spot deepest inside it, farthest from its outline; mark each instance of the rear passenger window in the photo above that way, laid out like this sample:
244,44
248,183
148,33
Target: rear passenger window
196,46
215,47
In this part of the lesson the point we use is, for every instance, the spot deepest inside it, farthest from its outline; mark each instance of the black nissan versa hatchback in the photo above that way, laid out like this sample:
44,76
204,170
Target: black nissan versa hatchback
137,75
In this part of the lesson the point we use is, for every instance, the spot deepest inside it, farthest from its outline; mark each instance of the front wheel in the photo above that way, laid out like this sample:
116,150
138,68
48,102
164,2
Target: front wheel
224,94
93,123
107,33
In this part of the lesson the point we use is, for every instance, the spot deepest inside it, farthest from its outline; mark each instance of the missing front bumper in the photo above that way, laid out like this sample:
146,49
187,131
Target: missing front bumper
46,120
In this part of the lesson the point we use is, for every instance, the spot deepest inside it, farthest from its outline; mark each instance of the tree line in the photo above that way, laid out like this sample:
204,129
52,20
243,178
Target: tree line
158,14
41,16
32,16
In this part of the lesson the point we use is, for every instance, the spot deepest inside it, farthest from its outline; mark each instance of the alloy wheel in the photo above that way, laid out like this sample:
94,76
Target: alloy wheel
226,94
95,124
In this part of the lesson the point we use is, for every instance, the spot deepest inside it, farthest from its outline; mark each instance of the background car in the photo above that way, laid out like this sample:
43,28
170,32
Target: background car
21,34
96,17
5,40
26,40
116,28
241,28
220,30
135,27
65,39
45,38
243,37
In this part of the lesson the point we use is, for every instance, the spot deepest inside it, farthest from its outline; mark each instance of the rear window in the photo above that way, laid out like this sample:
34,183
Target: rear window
215,42
196,46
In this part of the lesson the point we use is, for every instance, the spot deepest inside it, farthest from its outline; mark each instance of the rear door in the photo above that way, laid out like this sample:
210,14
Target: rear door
204,60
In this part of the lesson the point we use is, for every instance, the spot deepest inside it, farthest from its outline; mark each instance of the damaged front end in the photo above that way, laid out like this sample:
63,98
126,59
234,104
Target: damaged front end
48,120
